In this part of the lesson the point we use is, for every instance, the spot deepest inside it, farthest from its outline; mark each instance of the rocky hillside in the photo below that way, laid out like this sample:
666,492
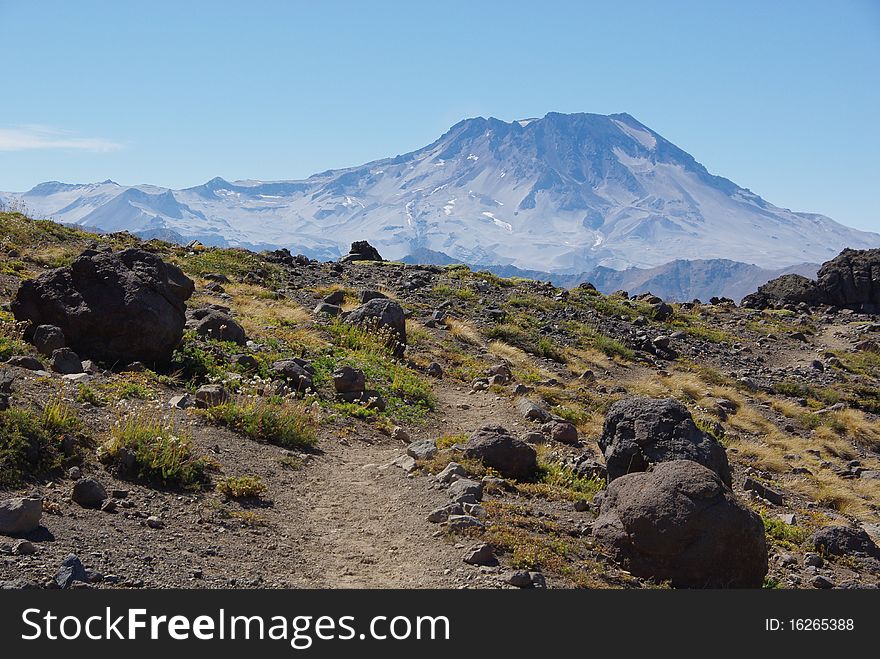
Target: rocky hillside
209,417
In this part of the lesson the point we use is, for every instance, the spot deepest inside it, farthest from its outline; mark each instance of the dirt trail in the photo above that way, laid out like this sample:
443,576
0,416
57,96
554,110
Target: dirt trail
831,337
364,520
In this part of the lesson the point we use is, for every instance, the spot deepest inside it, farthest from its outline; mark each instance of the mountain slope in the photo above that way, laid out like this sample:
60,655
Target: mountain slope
561,194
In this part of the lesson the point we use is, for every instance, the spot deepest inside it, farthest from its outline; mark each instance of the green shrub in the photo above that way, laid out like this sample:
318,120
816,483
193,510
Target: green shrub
242,487
87,394
160,453
31,441
283,424
786,534
11,337
558,475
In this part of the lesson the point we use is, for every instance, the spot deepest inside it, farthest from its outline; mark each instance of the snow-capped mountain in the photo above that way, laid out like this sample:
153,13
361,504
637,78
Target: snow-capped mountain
563,194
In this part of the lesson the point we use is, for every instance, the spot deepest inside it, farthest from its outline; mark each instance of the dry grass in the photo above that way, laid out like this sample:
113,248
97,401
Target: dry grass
464,332
520,360
850,497
859,427
763,456
252,306
584,359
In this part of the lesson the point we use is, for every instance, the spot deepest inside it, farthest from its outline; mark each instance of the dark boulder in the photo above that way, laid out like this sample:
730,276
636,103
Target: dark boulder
639,432
219,325
88,493
47,339
27,362
71,570
361,250
111,306
843,541
852,280
680,523
298,372
328,309
787,289
382,313
66,361
335,298
495,447
347,380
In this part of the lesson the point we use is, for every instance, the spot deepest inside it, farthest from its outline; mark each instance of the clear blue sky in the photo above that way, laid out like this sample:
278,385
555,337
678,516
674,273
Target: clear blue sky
780,97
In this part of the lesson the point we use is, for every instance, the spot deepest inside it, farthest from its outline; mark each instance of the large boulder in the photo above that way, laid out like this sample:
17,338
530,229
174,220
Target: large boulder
680,523
110,306
20,516
495,447
852,280
361,250
639,432
843,541
382,314
787,289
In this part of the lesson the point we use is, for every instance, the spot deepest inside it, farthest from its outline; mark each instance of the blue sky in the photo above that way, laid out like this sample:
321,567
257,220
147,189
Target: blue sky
780,97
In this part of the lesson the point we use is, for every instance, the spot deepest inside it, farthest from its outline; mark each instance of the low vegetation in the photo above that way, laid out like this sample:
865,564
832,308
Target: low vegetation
283,423
32,441
158,452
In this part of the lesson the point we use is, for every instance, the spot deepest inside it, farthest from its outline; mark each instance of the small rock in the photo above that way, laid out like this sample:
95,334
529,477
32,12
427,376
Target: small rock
813,560
480,554
465,490
451,472
328,309
764,491
532,411
535,437
71,571
27,362
23,548
65,361
337,297
401,435
435,370
47,339
181,402
564,432
88,493
348,380
821,582
211,395
155,523
20,516
423,449
442,514
520,579
405,462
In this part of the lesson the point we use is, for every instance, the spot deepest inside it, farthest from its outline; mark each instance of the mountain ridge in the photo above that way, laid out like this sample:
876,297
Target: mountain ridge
564,194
